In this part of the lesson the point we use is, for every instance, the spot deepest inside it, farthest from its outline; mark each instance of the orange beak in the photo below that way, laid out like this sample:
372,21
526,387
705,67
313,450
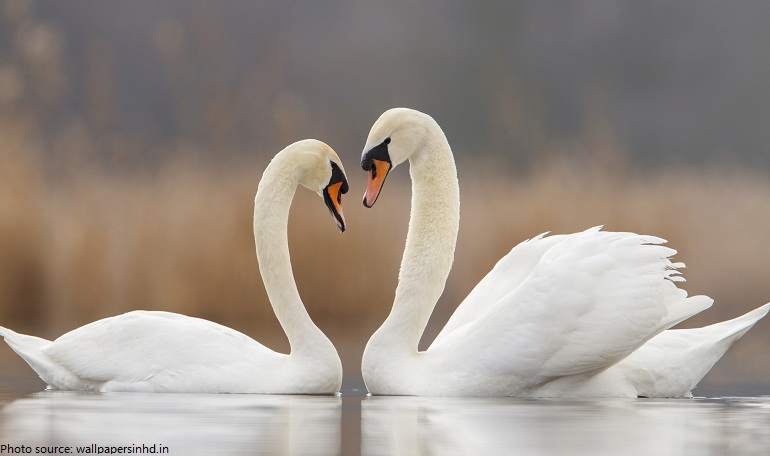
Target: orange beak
377,174
333,199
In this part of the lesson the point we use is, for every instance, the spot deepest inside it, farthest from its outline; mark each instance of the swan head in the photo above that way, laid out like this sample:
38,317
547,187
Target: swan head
320,169
393,139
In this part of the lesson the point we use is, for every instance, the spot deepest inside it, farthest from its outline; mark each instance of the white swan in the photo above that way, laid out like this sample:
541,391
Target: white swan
168,352
580,315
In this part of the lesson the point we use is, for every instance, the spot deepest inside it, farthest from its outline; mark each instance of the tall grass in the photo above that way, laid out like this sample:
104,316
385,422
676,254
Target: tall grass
82,238
86,242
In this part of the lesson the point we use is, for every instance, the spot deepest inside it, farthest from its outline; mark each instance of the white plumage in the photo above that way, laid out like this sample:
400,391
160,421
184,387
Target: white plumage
580,315
167,352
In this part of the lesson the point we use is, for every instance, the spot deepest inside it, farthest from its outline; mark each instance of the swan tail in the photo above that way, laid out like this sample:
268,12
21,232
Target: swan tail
720,336
30,349
672,363
23,344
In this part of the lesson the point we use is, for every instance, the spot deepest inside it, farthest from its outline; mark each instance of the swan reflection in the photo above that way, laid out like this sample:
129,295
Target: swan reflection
413,425
185,423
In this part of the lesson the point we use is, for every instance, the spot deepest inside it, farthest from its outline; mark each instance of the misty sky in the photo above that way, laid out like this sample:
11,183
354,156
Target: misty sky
673,82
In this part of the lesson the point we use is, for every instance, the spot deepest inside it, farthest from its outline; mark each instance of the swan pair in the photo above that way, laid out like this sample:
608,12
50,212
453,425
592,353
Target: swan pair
581,315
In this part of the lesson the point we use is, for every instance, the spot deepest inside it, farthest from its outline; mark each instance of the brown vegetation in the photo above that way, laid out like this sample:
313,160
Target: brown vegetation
84,242
89,229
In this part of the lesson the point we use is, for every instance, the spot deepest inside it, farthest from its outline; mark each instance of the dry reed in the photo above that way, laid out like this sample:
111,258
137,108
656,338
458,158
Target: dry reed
84,243
81,241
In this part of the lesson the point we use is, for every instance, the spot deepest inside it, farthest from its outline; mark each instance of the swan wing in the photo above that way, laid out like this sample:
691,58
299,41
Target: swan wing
585,302
508,273
137,346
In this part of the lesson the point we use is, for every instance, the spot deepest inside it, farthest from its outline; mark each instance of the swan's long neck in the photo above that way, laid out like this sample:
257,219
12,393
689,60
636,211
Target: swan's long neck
430,243
271,215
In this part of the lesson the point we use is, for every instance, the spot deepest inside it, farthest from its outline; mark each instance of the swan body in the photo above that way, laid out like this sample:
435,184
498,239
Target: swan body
580,315
167,352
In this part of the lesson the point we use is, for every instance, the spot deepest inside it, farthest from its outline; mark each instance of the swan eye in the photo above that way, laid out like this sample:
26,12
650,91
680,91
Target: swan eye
378,152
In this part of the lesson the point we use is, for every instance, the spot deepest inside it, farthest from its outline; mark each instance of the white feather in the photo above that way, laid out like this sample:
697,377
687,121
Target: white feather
168,352
585,314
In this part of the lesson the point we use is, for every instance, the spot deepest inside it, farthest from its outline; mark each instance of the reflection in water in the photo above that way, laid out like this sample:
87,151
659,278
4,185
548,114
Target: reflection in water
320,425
446,426
185,423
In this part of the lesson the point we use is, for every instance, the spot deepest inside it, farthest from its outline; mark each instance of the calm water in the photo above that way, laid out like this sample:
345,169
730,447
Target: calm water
254,424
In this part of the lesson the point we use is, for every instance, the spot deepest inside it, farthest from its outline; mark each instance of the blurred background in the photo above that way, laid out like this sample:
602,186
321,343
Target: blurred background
133,136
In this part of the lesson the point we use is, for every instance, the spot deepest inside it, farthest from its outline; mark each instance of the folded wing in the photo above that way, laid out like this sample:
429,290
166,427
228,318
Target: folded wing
567,305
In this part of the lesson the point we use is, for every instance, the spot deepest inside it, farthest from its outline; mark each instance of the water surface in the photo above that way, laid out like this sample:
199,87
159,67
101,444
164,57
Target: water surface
200,424
411,425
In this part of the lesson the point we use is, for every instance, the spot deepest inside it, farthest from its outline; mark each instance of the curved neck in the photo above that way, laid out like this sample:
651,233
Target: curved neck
271,217
430,243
